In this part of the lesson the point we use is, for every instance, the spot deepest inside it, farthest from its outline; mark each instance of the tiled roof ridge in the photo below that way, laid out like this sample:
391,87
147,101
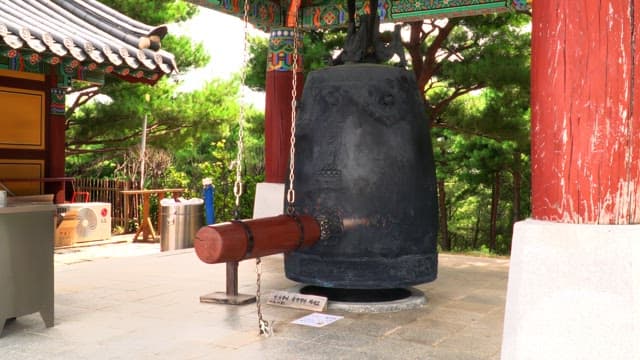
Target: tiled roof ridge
88,33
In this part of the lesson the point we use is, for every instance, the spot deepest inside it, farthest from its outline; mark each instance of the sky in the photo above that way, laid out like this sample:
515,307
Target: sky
222,36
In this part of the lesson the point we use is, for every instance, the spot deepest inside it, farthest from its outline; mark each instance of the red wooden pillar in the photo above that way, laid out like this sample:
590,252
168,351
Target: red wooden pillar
585,115
55,139
277,125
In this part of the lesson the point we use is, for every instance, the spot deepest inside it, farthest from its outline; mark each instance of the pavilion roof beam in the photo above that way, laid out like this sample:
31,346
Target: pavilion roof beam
323,14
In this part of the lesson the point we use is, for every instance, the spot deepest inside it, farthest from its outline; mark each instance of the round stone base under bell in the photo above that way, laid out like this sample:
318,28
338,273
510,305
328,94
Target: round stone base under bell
367,300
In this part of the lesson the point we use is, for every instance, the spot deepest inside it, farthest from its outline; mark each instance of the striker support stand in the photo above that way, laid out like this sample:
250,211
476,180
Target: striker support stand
231,296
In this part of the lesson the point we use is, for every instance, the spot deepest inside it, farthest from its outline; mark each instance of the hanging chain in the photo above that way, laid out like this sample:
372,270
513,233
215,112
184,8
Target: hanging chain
291,193
265,327
237,186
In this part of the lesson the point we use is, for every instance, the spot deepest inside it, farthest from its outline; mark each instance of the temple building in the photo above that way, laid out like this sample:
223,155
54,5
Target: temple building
46,46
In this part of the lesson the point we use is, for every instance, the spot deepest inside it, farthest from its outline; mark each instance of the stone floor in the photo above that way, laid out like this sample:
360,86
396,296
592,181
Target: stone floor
130,301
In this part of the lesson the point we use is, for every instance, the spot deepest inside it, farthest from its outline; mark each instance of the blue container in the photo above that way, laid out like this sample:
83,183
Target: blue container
208,192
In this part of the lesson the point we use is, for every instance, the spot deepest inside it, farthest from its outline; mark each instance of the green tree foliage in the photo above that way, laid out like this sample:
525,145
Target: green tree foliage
480,179
100,133
475,75
257,64
184,138
481,165
154,12
454,57
316,52
189,135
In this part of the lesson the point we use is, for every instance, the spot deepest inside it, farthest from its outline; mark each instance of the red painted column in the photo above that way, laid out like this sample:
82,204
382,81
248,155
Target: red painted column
585,116
278,87
55,139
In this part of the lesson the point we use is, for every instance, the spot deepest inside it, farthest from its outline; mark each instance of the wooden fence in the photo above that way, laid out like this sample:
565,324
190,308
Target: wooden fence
124,211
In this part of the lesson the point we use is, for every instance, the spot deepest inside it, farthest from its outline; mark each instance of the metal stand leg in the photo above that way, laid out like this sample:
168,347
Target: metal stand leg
231,297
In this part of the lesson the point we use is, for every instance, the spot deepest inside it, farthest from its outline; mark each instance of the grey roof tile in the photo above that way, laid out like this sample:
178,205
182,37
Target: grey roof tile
86,31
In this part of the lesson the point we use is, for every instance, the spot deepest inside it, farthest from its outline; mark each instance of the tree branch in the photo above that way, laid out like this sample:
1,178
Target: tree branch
153,131
460,130
76,151
83,95
426,65
437,110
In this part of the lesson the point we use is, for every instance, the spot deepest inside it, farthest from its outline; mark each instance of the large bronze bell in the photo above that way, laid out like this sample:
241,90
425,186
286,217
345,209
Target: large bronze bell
364,167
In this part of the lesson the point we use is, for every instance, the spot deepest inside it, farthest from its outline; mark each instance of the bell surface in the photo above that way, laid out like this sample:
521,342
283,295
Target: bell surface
364,167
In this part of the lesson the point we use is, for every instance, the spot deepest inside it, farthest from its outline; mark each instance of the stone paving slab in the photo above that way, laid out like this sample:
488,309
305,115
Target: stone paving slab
145,305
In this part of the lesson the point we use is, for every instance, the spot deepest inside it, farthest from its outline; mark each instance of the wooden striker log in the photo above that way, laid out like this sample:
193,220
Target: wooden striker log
246,239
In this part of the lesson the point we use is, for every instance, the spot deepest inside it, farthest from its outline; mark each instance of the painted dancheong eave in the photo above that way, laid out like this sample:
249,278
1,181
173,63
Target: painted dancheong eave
323,14
585,140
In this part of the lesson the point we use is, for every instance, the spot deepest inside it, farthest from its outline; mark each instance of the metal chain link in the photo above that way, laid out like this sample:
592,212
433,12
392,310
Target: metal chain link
237,186
264,326
291,193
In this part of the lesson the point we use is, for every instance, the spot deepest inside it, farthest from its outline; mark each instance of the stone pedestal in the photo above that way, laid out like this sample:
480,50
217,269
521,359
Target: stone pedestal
573,292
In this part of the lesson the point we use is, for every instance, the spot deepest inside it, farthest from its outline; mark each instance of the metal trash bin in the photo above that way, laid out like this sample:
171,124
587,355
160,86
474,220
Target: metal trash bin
180,222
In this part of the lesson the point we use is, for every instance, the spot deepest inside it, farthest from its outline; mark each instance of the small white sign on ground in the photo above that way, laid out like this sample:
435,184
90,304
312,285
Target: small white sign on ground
297,301
317,320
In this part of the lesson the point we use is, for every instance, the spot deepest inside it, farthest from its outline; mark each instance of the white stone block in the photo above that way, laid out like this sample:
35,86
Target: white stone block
573,292
269,200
